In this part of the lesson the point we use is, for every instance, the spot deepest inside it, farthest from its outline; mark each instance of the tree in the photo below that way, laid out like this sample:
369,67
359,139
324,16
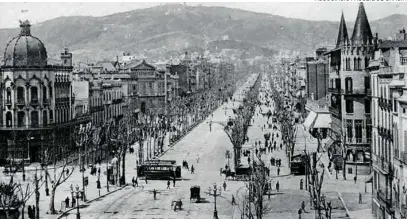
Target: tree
59,175
124,142
317,198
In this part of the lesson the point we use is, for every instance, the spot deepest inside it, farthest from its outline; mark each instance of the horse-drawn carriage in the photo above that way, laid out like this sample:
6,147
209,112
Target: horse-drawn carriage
176,204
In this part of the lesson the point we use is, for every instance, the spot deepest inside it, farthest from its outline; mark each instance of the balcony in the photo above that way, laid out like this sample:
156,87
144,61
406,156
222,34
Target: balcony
20,102
383,197
357,92
8,103
34,102
334,90
46,102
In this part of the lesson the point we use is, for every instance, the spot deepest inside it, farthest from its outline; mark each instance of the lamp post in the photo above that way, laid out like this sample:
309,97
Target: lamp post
77,197
215,200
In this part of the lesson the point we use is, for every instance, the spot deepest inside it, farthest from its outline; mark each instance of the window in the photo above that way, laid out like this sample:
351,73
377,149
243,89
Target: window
367,106
338,85
50,90
9,95
9,119
358,125
34,119
44,93
366,62
20,119
349,106
34,94
355,63
51,116
45,120
368,131
349,127
349,85
359,64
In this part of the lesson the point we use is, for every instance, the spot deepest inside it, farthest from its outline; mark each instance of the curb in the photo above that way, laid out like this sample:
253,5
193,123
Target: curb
90,201
344,204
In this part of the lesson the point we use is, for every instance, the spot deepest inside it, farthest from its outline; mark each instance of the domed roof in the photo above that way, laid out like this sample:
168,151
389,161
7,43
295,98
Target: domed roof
25,50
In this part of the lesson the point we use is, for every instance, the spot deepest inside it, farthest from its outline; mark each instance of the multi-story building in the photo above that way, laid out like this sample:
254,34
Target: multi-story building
151,87
389,146
36,108
350,89
317,76
80,90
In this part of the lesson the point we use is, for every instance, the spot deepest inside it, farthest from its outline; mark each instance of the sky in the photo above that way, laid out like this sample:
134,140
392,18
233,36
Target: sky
10,13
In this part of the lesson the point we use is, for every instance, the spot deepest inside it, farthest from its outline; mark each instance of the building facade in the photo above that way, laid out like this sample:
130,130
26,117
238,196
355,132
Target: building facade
350,94
389,145
36,108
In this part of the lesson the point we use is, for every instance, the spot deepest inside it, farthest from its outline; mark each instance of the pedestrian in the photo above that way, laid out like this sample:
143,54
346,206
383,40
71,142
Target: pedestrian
355,179
30,212
33,210
73,201
300,213
192,169
198,158
133,181
360,198
233,200
224,185
174,182
168,184
154,194
277,186
67,202
303,206
278,171
137,184
146,179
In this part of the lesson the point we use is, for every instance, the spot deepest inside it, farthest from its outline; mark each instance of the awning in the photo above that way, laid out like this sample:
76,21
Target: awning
309,120
322,121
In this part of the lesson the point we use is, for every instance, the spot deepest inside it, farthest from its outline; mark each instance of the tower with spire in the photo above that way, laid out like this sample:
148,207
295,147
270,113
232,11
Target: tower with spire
350,93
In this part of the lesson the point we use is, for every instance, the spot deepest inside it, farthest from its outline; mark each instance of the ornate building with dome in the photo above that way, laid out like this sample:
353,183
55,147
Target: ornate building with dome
36,100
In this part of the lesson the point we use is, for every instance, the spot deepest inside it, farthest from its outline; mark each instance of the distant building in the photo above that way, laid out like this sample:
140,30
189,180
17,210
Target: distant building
317,81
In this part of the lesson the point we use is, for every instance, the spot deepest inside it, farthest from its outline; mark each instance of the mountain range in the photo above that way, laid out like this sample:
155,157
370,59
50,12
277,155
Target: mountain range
171,28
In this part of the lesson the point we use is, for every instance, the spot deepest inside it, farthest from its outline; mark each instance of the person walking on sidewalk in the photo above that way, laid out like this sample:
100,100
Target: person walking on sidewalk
360,198
67,202
233,200
154,194
303,206
277,186
137,184
355,179
168,184
133,181
192,169
224,185
174,182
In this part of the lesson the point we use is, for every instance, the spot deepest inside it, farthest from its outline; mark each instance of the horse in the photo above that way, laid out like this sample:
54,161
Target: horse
176,204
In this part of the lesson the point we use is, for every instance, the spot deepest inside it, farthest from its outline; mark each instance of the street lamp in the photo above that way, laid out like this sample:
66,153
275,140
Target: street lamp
77,197
215,200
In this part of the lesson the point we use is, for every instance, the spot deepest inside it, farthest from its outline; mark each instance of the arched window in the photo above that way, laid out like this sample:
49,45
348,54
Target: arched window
50,91
21,119
44,93
34,119
355,63
51,116
20,95
9,119
366,62
34,94
8,95
359,63
45,118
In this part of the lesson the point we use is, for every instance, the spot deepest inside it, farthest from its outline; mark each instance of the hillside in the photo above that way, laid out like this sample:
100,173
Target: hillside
174,27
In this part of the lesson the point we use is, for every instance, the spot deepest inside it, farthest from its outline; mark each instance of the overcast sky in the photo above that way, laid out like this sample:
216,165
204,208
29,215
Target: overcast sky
10,13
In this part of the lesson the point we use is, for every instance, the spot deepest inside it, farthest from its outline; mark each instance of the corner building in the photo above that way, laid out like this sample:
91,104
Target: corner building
36,101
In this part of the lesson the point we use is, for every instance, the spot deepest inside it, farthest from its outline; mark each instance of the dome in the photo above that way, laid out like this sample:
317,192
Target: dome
25,50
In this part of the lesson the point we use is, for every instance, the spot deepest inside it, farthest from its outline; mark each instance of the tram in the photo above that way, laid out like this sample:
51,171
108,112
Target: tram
159,169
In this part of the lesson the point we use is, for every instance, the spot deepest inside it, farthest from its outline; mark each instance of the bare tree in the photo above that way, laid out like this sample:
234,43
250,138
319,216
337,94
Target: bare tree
60,174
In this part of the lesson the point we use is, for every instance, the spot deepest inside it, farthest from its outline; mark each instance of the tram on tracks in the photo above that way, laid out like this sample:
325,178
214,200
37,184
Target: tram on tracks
159,169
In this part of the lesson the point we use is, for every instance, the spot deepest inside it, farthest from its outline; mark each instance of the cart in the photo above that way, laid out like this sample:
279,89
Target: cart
195,194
